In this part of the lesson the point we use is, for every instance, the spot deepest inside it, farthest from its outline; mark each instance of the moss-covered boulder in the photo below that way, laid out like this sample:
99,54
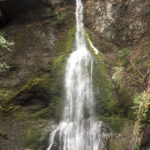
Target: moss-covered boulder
103,91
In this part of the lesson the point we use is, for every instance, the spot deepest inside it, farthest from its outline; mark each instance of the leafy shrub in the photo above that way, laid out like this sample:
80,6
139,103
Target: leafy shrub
5,44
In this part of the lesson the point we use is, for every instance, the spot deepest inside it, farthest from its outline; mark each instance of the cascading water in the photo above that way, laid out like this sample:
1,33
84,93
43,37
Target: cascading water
78,129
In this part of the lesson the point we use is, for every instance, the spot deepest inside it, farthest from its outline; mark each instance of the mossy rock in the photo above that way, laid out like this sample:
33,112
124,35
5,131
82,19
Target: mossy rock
33,139
45,87
105,100
66,43
52,85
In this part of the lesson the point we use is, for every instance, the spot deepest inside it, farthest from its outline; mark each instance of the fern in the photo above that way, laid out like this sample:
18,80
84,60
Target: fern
5,44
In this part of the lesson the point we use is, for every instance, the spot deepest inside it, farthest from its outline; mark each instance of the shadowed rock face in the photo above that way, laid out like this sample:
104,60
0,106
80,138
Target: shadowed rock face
12,9
123,22
39,31
35,30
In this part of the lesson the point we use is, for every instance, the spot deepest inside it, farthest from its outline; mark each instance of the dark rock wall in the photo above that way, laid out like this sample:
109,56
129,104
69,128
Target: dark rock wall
12,9
43,33
35,27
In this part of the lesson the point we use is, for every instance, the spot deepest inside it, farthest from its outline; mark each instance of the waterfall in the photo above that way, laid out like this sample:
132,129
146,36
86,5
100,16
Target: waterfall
78,129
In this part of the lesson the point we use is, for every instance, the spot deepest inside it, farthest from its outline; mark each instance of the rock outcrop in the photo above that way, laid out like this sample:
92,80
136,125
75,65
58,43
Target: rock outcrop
125,23
43,34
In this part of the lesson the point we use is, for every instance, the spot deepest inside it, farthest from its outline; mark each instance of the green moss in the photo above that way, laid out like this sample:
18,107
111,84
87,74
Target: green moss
122,57
105,101
31,83
7,94
54,82
103,90
137,147
66,43
99,56
33,139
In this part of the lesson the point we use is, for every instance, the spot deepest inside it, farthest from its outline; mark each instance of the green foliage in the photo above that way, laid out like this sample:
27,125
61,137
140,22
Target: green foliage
115,123
137,146
122,56
126,82
99,56
142,103
66,43
5,44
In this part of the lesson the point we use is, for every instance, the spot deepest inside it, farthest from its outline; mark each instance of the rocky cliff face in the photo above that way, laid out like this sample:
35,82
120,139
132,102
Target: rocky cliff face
35,27
125,23
43,33
31,88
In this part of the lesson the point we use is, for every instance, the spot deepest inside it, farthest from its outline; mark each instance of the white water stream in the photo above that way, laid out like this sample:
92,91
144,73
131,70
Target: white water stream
78,130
